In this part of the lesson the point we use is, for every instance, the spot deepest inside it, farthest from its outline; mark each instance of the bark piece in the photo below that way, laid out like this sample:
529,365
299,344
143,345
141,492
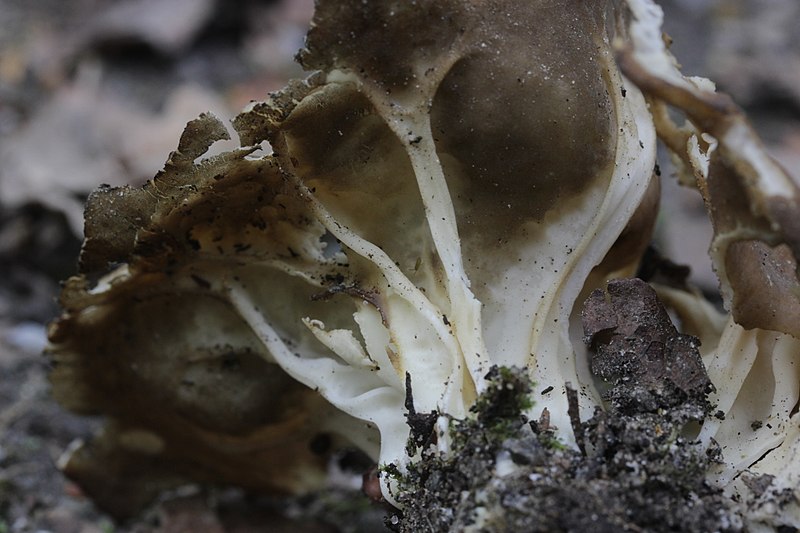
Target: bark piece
638,350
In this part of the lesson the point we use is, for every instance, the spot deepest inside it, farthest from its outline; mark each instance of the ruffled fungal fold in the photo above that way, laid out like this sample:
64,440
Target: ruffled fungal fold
446,187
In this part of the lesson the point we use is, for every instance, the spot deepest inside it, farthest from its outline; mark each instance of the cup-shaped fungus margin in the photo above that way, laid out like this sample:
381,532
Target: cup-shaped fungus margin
754,207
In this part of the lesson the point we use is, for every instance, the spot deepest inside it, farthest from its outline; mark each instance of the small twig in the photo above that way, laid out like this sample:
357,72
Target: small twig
573,410
370,297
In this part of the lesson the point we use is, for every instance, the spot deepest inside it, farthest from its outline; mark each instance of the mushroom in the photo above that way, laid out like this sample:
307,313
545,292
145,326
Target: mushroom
445,188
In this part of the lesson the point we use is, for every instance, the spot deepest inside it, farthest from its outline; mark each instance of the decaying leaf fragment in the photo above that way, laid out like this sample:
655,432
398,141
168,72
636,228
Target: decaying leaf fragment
636,348
446,187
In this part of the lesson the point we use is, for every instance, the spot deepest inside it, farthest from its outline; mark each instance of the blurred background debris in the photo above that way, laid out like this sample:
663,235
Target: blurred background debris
98,91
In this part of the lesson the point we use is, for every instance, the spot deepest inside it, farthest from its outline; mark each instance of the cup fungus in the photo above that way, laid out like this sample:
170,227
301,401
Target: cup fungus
446,188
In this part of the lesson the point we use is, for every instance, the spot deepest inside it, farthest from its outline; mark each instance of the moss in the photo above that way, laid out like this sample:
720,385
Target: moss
499,409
